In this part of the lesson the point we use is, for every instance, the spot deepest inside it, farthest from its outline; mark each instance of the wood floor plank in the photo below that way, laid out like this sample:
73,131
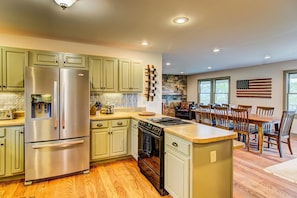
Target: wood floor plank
122,179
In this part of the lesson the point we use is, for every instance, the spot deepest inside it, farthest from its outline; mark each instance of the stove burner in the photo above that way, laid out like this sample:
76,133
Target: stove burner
167,121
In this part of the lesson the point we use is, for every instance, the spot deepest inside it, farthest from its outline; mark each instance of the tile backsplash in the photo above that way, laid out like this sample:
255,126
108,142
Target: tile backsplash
120,100
12,100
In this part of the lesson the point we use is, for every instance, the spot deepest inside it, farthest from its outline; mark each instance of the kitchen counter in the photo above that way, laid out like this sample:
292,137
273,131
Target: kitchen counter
13,122
196,133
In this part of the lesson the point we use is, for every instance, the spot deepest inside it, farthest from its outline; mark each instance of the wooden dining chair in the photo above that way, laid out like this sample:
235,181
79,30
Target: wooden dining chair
204,115
265,111
247,107
225,105
241,125
281,134
222,119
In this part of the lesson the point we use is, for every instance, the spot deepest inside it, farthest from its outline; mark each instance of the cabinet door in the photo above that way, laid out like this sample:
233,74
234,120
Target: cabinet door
75,61
13,60
44,58
16,149
118,141
134,139
103,74
130,75
176,173
124,76
100,144
137,76
2,156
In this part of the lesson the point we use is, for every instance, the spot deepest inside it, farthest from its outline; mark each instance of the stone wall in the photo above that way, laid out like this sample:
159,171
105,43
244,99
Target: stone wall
174,90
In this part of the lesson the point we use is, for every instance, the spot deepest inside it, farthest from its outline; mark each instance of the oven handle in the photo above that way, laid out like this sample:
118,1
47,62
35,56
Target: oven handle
148,132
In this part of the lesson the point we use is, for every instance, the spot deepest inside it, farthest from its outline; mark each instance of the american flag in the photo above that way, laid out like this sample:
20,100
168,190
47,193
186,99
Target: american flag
254,88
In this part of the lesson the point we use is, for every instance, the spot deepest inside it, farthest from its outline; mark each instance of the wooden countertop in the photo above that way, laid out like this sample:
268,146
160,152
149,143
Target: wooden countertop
13,122
196,133
199,133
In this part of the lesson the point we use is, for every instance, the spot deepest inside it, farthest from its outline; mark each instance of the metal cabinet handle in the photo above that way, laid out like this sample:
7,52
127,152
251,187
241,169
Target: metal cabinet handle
99,125
174,144
120,123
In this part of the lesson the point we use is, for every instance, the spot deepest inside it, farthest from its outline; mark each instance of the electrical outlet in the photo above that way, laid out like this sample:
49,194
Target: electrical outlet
213,156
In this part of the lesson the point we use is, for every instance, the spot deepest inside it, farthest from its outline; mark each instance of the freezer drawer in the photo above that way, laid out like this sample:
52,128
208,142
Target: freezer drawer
55,158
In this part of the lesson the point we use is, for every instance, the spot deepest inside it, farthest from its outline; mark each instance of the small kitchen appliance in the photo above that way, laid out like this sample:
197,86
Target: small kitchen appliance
7,114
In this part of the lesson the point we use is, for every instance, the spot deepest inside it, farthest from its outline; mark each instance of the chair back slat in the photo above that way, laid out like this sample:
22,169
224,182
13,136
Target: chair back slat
205,115
247,107
240,119
286,123
266,111
221,117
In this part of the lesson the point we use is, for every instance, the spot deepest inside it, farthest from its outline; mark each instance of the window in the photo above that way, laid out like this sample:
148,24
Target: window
291,90
214,90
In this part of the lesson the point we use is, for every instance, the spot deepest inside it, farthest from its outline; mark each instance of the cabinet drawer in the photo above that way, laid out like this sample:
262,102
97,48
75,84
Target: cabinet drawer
178,144
119,123
99,124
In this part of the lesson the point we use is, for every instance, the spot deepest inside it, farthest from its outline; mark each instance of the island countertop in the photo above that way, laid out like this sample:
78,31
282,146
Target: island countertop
200,133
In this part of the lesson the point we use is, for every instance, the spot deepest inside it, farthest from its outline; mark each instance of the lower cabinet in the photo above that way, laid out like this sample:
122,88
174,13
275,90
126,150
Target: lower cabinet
11,151
177,166
134,139
109,138
198,170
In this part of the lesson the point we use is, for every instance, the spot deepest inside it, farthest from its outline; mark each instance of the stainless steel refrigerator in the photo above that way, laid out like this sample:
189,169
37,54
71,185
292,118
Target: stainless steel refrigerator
56,122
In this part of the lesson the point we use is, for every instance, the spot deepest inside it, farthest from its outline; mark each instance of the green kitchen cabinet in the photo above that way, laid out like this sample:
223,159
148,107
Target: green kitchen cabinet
130,76
12,151
12,69
58,59
109,139
103,74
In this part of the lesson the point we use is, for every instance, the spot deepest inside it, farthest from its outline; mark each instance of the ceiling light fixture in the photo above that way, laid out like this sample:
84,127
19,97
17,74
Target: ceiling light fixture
181,20
168,63
209,67
216,50
267,57
65,3
145,43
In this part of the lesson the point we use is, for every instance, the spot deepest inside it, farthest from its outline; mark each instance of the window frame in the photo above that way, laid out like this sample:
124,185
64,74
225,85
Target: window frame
213,88
286,89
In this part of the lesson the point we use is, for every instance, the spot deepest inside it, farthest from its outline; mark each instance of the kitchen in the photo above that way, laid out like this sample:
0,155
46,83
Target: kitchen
147,58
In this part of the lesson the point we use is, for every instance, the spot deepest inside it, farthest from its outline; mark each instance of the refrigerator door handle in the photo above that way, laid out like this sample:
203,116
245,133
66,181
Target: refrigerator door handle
55,104
63,144
63,105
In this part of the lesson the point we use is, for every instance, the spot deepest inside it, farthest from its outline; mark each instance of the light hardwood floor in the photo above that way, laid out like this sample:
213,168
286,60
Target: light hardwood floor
122,179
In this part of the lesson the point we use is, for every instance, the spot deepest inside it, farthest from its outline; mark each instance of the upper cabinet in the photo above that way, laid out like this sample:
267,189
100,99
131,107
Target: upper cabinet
56,59
12,69
130,76
103,74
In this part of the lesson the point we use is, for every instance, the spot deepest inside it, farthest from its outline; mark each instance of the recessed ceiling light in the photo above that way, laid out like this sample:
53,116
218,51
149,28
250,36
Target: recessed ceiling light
267,57
181,72
145,43
209,67
168,63
181,20
216,50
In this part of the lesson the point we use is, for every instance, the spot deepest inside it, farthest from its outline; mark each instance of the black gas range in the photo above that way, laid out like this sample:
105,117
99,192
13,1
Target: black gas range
151,148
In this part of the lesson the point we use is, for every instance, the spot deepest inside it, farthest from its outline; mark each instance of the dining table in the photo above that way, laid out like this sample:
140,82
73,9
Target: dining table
259,120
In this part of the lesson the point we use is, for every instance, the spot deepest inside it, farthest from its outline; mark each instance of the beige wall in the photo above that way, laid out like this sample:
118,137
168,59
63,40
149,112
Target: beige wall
72,47
274,71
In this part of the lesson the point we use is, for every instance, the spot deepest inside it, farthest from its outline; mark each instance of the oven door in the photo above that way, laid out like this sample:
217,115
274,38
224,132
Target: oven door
151,157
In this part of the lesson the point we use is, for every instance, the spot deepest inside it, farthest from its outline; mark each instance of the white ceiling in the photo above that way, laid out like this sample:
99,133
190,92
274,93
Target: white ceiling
244,30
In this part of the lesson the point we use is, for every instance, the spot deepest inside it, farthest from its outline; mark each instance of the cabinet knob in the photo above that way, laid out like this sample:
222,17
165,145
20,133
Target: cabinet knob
174,144
120,123
99,125
1,144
